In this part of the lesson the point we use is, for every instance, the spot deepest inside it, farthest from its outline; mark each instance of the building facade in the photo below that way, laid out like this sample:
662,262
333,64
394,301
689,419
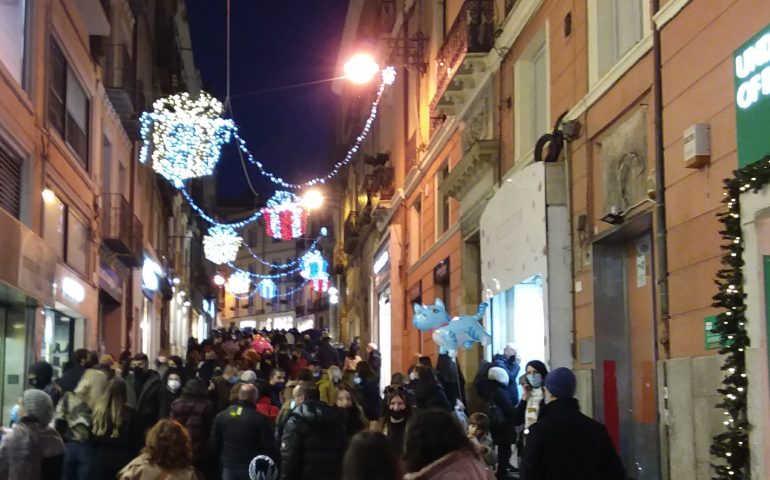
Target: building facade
544,160
80,216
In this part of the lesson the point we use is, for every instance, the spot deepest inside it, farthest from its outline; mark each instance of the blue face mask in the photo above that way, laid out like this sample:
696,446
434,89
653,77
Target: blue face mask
535,379
316,374
233,380
357,380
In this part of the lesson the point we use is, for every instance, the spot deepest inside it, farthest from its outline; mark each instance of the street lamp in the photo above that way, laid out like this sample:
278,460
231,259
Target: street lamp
312,199
48,196
361,68
219,280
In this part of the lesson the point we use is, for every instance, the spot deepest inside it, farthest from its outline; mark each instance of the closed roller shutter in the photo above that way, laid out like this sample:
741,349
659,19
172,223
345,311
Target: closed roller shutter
10,182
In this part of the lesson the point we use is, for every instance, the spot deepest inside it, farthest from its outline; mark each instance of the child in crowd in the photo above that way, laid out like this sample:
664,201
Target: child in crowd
478,433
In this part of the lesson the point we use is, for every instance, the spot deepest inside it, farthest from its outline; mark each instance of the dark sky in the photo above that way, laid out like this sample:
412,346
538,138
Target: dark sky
275,43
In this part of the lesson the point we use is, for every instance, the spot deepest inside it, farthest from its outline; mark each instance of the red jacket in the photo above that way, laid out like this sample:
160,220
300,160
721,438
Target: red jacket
266,408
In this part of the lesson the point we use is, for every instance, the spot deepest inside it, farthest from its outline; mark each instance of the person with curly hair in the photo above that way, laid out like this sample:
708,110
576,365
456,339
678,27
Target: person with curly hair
167,455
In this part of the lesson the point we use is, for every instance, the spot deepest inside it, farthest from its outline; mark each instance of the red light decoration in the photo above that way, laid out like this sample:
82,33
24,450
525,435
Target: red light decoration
319,285
285,218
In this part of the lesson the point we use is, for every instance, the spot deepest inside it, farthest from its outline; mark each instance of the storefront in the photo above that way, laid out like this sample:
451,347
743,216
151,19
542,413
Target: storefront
381,305
525,266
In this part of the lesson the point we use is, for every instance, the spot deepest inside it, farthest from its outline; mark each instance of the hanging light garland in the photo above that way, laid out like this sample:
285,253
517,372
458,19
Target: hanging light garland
285,274
313,266
267,288
238,283
221,244
183,136
320,285
285,218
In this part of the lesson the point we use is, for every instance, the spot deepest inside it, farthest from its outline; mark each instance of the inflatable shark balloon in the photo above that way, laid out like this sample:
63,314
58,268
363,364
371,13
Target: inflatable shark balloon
450,333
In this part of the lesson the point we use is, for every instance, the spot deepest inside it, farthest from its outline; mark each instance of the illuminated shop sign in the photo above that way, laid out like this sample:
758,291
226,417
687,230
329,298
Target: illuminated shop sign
751,71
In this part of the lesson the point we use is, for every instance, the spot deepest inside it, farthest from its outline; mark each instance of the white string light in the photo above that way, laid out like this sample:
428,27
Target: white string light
238,283
221,244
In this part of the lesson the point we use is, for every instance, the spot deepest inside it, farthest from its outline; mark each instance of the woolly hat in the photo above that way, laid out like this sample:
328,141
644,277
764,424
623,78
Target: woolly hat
561,383
499,375
38,405
248,376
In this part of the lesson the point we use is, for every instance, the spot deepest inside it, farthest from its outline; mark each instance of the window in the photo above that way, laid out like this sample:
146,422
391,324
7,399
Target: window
442,203
615,27
414,232
68,105
531,77
107,166
67,233
10,187
13,16
251,238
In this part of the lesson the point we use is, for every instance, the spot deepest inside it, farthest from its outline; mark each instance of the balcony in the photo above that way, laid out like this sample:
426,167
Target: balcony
462,57
121,230
120,79
351,233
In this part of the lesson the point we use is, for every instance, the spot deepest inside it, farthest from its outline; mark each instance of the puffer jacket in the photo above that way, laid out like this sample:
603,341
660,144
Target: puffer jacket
512,368
313,443
239,434
457,465
195,412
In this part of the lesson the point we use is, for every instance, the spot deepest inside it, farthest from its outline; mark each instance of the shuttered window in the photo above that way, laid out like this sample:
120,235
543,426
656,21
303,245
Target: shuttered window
10,186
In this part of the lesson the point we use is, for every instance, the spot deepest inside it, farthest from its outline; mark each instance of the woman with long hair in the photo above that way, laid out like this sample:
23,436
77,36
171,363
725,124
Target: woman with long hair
114,434
346,400
370,456
396,412
167,455
436,447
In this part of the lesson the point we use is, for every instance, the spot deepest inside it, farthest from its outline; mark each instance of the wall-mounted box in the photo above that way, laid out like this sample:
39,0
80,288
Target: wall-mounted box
697,145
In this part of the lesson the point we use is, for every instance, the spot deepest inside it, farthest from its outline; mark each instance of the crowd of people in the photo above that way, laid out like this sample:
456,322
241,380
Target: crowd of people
247,405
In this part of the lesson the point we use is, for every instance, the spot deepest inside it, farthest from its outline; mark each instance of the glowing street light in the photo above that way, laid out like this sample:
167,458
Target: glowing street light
48,196
361,68
312,199
219,280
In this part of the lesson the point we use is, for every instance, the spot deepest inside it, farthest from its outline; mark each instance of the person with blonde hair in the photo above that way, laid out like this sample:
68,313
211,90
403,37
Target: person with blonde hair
73,422
167,455
114,432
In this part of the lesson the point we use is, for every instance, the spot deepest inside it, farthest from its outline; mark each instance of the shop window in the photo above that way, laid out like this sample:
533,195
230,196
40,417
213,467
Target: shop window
415,224
13,19
10,187
531,92
67,105
442,203
614,27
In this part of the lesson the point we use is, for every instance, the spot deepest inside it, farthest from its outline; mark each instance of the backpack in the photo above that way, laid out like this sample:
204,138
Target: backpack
497,419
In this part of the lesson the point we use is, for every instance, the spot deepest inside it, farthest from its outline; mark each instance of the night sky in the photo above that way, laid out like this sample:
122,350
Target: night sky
275,43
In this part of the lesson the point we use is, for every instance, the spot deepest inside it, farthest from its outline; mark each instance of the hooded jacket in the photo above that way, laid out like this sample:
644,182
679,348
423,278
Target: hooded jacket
512,368
239,434
313,443
457,465
43,372
195,412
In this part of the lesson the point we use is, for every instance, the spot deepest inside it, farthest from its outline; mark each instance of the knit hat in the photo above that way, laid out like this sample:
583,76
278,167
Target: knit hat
499,375
38,405
561,383
248,376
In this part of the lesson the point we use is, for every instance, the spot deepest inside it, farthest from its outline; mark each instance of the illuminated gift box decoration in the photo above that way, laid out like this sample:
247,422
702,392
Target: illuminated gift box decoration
285,218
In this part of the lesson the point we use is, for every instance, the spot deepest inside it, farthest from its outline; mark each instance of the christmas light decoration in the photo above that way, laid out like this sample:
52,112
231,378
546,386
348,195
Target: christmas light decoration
287,294
238,283
221,244
267,288
287,273
320,285
183,136
313,266
251,219
285,218
290,264
731,446
389,75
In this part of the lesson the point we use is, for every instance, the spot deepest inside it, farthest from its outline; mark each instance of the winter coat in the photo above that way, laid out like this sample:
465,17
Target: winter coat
375,360
313,443
369,396
221,393
167,397
457,465
69,379
327,356
451,379
239,434
327,390
141,468
73,418
146,401
500,401
564,444
482,383
112,454
353,421
486,449
512,368
195,412
32,451
430,396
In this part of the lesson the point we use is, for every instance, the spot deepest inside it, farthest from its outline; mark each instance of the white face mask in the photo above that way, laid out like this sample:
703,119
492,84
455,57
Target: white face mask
292,405
174,385
413,376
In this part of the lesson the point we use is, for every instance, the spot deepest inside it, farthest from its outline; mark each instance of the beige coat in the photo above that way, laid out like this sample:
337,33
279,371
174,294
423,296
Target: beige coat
140,468
457,465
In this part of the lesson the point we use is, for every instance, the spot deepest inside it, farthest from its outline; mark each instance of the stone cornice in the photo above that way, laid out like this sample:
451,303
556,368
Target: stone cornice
476,160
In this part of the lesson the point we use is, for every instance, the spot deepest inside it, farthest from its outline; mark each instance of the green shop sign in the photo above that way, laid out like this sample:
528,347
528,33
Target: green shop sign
751,64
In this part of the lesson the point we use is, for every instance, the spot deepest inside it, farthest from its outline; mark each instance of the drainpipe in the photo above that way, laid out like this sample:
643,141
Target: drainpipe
661,244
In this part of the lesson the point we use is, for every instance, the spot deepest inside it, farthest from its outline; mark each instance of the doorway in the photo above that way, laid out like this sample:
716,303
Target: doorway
13,341
624,317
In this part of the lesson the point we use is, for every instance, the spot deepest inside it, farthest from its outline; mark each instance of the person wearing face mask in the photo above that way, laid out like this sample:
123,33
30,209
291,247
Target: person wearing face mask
315,370
172,391
144,390
532,402
222,385
368,389
564,444
195,412
328,383
501,414
346,401
277,386
396,412
161,363
41,378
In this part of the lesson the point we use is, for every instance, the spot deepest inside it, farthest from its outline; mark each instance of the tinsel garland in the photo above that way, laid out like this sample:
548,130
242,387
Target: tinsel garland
732,445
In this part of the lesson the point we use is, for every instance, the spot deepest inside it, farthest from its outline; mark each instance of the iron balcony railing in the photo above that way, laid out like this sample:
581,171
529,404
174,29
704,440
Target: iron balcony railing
120,79
121,230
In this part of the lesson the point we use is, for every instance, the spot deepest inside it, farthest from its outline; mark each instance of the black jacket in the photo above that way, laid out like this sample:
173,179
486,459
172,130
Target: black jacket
112,454
369,396
512,368
313,443
430,396
564,444
327,356
239,434
499,400
69,380
146,401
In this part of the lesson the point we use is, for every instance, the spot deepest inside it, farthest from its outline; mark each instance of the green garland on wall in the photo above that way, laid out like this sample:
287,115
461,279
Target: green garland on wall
731,446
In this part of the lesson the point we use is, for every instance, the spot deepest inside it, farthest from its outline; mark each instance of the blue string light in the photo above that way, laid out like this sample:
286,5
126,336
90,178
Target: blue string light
288,293
264,275
281,266
253,218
